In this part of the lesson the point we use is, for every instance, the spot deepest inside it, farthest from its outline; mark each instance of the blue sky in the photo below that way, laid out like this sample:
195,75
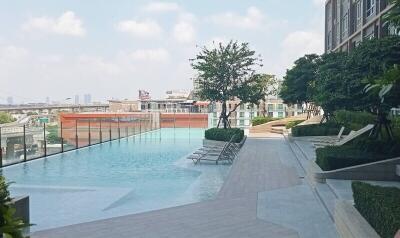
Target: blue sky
111,49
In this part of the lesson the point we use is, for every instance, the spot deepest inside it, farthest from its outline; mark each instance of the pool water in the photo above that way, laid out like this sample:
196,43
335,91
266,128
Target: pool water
136,174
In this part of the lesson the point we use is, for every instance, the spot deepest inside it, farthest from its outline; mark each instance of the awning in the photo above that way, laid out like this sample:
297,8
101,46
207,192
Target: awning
200,103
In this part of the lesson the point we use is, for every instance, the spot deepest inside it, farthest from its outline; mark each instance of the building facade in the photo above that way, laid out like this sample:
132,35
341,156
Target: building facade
349,22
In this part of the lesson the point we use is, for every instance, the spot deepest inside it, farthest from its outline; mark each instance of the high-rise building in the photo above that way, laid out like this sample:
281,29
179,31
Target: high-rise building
10,100
348,22
87,98
76,99
47,100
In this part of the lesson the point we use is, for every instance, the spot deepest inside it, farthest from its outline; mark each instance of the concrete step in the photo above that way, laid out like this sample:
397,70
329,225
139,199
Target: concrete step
327,196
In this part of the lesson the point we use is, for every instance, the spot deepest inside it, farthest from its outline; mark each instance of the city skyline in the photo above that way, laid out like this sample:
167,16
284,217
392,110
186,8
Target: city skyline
64,49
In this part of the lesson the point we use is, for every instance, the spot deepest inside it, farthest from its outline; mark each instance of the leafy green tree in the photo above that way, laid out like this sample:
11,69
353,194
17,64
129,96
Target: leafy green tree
331,91
298,84
228,72
5,118
393,16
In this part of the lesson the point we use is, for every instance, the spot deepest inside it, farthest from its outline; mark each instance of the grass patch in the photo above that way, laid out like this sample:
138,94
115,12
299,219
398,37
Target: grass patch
361,151
261,120
220,134
325,129
380,206
293,124
354,120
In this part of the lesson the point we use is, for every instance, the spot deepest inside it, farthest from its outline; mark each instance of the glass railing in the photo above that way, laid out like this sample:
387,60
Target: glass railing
24,142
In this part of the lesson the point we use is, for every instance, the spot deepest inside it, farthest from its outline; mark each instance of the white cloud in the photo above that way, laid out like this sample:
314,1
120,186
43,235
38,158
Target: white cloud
147,28
67,24
252,20
298,44
98,64
161,7
12,53
184,32
159,54
319,3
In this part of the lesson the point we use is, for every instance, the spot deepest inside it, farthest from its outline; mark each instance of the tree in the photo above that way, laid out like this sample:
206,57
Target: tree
299,82
228,72
270,84
5,118
331,91
393,16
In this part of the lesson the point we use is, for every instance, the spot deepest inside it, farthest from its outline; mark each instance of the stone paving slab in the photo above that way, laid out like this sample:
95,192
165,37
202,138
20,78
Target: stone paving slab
298,208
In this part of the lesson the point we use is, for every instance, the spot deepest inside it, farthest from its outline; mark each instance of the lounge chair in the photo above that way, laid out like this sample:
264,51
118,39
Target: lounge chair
351,136
329,139
228,153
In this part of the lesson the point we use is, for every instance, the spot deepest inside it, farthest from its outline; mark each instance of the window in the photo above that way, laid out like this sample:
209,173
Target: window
370,7
345,25
242,107
241,122
280,114
270,114
270,107
241,114
358,14
280,106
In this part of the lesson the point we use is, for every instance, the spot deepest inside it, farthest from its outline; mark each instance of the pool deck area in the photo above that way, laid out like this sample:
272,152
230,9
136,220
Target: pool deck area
264,195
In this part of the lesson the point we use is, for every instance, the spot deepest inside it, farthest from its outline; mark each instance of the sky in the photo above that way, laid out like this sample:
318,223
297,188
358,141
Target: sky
111,49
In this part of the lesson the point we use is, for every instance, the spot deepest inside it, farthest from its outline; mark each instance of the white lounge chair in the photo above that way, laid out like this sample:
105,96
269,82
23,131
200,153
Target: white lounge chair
228,153
329,139
351,136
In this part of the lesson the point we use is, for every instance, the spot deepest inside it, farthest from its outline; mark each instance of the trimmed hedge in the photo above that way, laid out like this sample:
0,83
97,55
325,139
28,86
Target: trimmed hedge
325,129
380,206
220,134
293,124
261,120
354,120
361,151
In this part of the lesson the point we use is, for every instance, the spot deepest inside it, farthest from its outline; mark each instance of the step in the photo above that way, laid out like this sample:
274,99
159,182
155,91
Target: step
327,197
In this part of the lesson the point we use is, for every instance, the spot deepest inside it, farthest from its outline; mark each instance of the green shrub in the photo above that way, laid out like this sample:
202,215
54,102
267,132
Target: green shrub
361,151
220,134
293,124
354,120
325,129
380,206
9,224
261,120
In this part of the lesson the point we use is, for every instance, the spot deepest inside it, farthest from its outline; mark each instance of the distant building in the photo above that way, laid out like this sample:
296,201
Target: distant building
245,113
124,106
47,100
87,99
144,95
76,100
349,22
10,100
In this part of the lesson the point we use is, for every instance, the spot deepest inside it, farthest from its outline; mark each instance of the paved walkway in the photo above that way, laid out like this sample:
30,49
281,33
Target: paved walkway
263,196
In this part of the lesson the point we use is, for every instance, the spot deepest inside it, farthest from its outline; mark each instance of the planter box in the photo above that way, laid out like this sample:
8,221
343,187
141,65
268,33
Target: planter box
220,143
21,205
349,222
379,171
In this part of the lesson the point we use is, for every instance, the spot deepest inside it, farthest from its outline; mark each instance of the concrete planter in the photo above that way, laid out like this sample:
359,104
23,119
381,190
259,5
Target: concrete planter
349,222
380,171
21,205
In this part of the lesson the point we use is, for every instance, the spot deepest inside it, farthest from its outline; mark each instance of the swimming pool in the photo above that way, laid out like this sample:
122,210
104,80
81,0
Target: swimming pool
140,173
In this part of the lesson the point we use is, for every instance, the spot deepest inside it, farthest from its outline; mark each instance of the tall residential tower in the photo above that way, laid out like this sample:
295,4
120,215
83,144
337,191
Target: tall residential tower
348,22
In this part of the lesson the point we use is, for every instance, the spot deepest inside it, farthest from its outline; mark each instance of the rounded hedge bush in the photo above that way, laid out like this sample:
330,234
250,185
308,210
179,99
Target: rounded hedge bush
220,134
